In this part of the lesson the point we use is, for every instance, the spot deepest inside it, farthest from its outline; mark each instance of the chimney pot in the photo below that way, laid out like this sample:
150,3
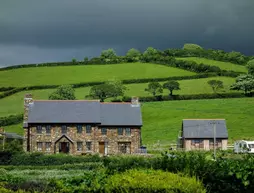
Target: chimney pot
134,101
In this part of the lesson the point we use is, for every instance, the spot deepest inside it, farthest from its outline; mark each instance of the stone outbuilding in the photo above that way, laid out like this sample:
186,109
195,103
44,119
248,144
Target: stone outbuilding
82,126
200,134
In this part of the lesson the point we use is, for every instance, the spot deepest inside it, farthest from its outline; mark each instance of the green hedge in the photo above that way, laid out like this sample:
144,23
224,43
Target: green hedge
40,159
186,97
2,89
11,120
152,181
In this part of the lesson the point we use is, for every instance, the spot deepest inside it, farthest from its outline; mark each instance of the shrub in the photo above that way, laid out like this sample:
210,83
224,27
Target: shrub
152,181
11,120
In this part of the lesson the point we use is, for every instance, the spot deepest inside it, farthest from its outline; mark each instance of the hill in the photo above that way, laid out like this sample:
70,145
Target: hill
162,120
85,73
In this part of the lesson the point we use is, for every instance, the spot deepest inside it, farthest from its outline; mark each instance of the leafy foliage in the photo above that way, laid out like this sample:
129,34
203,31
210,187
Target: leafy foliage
192,47
244,83
171,85
107,90
154,88
108,54
133,55
64,92
11,120
216,85
250,67
152,181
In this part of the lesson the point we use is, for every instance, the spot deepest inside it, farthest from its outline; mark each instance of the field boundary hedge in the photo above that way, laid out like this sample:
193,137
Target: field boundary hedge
11,120
87,84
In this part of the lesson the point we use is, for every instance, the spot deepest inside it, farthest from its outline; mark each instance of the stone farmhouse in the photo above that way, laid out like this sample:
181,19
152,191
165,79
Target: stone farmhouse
82,126
198,134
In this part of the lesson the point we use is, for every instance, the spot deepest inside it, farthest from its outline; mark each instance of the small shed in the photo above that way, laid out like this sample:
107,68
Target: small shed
200,134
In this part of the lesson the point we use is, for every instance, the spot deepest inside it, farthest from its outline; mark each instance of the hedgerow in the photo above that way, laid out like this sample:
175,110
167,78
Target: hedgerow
11,120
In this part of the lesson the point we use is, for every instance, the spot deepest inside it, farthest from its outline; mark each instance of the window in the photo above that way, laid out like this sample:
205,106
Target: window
197,143
104,131
124,147
48,129
39,129
39,146
79,146
88,146
48,146
88,129
79,128
128,131
64,129
120,131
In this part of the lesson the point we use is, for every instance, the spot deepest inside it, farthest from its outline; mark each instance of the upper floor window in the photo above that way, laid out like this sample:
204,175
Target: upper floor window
39,129
64,129
48,129
88,129
128,131
120,131
104,131
79,129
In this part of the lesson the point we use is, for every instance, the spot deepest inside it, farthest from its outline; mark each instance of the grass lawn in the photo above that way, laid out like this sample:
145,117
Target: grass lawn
222,65
14,103
76,74
162,120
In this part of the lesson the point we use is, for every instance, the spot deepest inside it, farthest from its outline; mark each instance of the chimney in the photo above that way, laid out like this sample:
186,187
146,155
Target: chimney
27,101
135,102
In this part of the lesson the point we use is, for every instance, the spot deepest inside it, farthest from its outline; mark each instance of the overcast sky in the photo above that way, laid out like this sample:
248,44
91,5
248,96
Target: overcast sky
35,31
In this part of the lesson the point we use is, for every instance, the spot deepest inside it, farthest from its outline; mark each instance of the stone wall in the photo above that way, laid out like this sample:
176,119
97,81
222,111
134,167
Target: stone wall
111,139
205,144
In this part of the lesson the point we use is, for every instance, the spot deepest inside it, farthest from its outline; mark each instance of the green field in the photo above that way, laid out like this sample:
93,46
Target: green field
222,65
76,74
14,103
162,120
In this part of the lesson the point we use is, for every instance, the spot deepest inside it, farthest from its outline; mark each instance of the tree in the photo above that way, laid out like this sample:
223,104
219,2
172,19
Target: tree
86,60
215,84
154,88
150,54
118,88
171,85
250,67
133,55
244,82
64,92
107,90
108,54
74,60
192,47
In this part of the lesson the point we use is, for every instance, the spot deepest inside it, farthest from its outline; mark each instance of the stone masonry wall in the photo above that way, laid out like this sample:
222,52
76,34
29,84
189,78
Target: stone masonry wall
112,138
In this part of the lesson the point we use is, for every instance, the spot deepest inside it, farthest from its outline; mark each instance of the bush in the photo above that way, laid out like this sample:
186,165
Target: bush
11,120
2,89
152,181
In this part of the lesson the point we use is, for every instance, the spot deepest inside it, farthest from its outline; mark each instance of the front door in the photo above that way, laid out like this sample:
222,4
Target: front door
64,147
102,148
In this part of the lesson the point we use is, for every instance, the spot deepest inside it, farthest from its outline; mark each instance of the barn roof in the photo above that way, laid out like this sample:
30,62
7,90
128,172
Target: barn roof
202,128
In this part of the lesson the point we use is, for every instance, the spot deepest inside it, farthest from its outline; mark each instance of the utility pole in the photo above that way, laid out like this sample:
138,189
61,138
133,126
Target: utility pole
214,123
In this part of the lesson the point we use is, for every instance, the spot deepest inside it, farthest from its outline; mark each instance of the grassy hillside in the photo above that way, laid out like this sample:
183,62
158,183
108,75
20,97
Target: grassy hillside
76,74
14,103
162,120
222,65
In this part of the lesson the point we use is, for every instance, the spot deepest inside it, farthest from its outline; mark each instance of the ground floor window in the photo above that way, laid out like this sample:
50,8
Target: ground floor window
79,146
88,146
197,144
218,143
124,147
48,146
39,146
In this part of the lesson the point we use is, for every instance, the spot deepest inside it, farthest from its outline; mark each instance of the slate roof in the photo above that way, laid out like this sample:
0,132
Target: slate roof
12,135
78,111
201,128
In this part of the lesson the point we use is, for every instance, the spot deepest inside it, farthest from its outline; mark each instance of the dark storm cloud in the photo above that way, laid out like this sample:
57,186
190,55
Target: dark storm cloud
54,30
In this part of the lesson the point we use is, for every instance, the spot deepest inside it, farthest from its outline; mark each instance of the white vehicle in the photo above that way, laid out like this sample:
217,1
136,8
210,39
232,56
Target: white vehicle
244,146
